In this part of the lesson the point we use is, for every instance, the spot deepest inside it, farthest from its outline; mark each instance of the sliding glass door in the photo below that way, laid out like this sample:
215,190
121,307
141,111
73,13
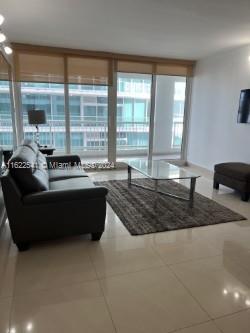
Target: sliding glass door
101,107
6,111
48,97
88,110
6,129
88,116
169,116
133,114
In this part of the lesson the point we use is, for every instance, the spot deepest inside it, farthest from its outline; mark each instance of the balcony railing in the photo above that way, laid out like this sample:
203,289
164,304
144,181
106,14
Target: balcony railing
177,131
90,134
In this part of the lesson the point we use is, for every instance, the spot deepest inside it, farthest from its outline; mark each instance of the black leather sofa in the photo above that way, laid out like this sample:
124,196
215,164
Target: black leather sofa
2,207
50,197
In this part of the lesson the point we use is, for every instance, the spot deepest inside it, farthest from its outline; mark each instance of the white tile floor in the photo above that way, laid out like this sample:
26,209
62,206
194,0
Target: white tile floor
186,281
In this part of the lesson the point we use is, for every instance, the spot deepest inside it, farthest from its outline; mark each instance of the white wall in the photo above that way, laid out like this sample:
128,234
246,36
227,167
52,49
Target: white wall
164,100
214,134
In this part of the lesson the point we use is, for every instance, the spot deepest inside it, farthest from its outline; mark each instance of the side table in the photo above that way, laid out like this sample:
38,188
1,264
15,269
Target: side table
7,153
47,150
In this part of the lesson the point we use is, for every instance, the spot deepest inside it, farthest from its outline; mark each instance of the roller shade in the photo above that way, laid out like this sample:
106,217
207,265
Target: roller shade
83,70
174,69
155,68
134,67
39,68
54,66
4,69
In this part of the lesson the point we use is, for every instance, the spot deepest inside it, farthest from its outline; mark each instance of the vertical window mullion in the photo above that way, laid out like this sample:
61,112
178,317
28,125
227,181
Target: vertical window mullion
13,113
67,118
18,114
152,117
186,118
112,106
66,107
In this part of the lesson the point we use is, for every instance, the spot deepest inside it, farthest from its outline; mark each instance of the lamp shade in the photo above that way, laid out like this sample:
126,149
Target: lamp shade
37,117
244,106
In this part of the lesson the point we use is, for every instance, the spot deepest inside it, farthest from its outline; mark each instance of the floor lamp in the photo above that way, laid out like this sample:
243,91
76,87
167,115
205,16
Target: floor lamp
37,117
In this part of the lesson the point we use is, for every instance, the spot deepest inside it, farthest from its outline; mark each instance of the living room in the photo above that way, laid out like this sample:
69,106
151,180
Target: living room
125,179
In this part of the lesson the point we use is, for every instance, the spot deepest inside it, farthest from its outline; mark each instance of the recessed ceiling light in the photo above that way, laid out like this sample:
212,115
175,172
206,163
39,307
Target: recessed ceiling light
8,50
1,19
225,292
236,295
29,327
2,37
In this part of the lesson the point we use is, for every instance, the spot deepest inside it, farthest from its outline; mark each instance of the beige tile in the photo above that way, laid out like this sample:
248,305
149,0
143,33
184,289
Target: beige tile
52,292
236,323
55,265
219,284
203,328
7,247
187,250
7,276
222,228
173,237
226,236
113,225
122,255
150,301
79,308
5,306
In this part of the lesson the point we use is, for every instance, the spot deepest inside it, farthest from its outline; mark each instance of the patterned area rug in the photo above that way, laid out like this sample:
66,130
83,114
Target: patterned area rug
143,212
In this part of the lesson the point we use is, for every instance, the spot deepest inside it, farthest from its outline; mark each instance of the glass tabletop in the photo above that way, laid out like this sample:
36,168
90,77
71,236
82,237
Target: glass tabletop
159,169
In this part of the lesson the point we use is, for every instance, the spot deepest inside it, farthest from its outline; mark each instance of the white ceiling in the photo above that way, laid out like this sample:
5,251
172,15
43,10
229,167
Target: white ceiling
188,29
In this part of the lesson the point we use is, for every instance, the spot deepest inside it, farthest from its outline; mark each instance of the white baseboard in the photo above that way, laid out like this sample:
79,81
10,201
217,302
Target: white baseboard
202,170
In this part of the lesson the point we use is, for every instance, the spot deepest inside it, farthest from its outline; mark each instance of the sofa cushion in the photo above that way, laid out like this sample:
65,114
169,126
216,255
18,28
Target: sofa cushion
31,144
1,160
2,207
41,159
66,173
240,171
28,171
72,184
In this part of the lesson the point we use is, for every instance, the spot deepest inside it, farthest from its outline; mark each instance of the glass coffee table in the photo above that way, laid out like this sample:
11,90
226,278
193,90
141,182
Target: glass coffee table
159,170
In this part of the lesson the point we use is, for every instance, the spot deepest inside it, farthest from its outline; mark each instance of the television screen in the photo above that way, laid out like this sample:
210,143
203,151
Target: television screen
244,107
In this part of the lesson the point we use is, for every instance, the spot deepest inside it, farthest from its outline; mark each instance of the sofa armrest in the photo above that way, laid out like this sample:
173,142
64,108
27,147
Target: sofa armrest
60,196
70,160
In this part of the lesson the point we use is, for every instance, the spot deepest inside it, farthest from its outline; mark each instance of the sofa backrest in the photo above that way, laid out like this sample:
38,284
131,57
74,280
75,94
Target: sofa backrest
2,208
1,159
31,144
28,169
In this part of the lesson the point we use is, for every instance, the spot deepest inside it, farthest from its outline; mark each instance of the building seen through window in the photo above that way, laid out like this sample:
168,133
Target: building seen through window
88,109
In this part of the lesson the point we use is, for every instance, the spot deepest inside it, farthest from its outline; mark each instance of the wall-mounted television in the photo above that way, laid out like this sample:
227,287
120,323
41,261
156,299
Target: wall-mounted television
244,107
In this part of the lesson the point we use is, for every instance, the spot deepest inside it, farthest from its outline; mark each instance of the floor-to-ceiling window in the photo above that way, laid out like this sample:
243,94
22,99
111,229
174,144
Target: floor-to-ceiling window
169,116
48,97
133,114
6,112
140,114
88,110
6,130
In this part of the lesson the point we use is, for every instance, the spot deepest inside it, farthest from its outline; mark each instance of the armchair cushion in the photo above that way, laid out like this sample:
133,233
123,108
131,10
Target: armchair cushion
235,170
